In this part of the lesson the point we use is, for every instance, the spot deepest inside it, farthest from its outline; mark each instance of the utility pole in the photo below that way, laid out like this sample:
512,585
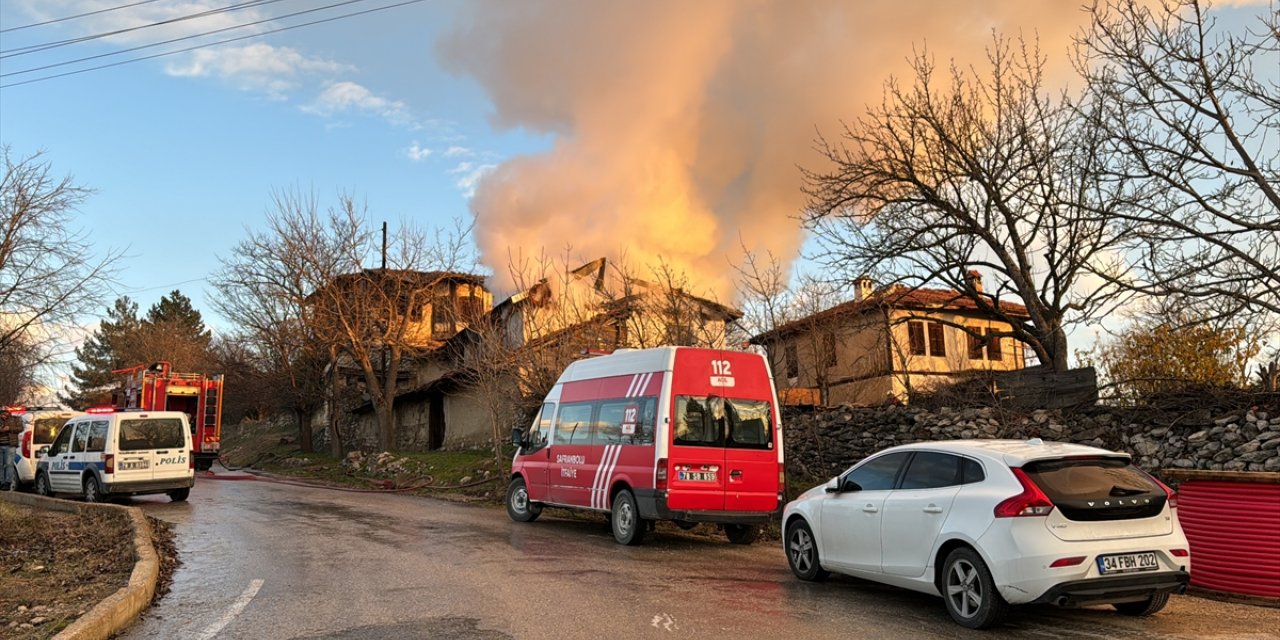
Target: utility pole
384,245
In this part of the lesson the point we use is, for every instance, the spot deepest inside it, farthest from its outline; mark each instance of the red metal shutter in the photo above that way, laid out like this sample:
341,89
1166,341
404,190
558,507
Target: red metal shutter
1234,531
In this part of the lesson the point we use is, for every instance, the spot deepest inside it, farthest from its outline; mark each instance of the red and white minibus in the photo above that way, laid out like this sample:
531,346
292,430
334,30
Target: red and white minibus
673,433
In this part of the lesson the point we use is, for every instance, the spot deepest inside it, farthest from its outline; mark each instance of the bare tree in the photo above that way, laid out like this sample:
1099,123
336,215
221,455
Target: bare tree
986,171
1191,114
49,275
306,278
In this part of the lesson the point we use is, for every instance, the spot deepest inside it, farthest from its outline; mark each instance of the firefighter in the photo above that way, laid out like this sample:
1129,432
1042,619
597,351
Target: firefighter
8,451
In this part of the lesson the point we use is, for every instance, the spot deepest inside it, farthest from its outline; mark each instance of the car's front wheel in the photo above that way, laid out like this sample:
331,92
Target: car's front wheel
178,495
519,507
802,553
42,485
1146,607
970,592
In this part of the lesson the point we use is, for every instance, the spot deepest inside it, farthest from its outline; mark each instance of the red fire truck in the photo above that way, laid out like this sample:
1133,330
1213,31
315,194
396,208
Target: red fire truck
154,387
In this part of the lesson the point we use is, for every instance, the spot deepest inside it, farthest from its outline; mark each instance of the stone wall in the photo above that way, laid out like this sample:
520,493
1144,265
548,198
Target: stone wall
824,442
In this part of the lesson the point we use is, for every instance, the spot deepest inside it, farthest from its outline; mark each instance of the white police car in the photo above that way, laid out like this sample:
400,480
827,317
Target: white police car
120,453
37,427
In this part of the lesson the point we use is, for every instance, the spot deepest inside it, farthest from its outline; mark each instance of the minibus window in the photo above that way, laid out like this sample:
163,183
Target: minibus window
713,421
152,433
626,421
694,426
574,425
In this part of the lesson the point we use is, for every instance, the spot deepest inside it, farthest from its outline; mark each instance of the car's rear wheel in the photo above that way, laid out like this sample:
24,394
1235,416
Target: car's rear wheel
802,553
519,507
970,592
628,527
742,533
92,490
178,495
1143,607
42,485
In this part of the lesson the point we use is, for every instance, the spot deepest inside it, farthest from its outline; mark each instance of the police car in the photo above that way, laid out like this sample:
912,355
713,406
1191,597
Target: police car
37,427
107,453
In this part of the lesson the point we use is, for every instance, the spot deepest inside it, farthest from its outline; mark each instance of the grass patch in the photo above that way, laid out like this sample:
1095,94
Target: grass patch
58,565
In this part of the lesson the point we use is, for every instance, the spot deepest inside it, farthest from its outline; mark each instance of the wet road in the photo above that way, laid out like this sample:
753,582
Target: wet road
264,560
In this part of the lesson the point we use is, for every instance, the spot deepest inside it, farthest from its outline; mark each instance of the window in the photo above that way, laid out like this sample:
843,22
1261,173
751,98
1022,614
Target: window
994,350
828,349
985,345
574,424
793,362
628,421
713,421
60,444
877,475
929,470
46,429
152,433
540,430
81,438
937,341
98,436
975,343
971,471
915,332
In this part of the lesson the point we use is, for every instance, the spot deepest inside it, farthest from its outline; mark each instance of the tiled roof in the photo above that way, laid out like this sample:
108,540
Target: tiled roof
896,297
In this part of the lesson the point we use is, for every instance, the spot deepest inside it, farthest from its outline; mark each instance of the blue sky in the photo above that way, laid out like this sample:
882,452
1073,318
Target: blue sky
183,156
644,129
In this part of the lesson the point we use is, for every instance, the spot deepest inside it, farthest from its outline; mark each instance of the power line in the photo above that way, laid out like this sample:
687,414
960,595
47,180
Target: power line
212,44
180,39
78,15
36,48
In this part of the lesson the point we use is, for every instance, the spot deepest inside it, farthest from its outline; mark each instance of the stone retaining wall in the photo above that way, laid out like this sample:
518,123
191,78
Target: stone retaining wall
824,442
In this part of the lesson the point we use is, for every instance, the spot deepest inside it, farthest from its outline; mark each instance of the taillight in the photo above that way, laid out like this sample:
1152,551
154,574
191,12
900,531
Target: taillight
1181,553
1067,562
191,459
782,475
26,445
109,463
1170,495
661,478
1031,502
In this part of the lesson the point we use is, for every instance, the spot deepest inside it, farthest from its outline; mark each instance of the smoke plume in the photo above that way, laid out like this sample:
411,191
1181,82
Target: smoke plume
678,127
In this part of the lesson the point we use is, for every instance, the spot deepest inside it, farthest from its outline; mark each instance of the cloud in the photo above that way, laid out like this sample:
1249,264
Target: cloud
469,174
346,96
455,152
259,66
418,153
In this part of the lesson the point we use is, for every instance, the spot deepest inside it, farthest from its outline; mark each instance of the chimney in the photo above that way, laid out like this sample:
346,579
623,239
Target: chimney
863,288
974,280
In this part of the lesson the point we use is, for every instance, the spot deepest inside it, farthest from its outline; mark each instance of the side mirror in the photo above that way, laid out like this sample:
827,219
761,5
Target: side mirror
833,485
42,451
517,436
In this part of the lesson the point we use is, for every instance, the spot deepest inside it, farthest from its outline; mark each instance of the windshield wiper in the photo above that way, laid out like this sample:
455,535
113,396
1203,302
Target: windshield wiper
1126,491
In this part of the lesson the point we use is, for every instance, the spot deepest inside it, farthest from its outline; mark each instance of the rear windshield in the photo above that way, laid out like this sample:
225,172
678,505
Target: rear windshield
151,433
712,421
1097,488
44,430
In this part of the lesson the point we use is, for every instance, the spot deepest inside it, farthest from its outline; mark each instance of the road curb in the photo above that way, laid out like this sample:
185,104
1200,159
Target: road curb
121,608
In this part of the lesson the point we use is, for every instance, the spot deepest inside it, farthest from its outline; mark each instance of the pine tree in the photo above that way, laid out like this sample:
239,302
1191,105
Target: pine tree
174,331
105,350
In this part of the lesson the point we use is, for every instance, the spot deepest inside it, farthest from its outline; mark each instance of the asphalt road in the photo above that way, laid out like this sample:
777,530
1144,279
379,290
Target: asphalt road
266,561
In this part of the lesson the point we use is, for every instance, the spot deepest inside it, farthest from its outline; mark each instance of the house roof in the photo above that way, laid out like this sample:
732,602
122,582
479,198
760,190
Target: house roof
895,297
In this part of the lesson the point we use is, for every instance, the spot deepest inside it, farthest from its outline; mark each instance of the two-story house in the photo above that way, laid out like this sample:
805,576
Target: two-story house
886,343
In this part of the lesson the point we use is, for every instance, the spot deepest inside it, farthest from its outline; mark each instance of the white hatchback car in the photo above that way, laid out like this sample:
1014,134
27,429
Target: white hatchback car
990,523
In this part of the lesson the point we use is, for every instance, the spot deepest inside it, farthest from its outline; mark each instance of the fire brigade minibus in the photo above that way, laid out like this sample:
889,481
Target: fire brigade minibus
673,433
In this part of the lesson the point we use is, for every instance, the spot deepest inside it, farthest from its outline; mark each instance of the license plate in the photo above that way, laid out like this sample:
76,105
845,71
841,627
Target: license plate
698,476
1128,562
131,465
